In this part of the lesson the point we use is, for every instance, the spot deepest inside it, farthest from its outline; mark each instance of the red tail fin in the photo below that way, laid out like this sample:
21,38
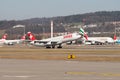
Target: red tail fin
115,37
4,36
86,36
23,37
31,36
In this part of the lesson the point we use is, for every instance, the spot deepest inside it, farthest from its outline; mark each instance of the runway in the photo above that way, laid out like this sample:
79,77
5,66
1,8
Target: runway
14,69
81,52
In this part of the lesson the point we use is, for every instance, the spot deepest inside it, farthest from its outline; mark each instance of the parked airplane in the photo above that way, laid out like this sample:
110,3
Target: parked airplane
16,41
53,41
99,40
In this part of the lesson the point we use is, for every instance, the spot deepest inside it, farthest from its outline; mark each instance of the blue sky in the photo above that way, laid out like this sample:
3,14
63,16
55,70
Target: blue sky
25,9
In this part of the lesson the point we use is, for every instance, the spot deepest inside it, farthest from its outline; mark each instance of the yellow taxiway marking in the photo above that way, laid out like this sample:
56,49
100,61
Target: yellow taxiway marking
95,73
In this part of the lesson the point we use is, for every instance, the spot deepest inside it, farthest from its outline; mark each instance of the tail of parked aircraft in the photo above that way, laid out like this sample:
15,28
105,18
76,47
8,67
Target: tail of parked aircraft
31,36
115,38
83,33
4,36
23,37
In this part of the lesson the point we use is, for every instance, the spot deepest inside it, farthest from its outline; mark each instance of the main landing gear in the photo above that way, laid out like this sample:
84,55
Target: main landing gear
53,46
59,46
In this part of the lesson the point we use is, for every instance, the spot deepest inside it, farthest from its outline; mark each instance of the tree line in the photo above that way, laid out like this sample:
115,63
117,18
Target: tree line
41,25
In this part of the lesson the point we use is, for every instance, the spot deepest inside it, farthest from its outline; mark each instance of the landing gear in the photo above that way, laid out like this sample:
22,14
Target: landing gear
59,46
48,47
53,46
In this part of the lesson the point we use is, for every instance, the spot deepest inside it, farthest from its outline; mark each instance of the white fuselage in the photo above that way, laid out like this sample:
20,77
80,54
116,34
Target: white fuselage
2,41
57,40
100,39
11,42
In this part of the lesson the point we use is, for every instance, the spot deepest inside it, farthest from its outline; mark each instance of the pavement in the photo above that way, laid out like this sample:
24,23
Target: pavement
15,69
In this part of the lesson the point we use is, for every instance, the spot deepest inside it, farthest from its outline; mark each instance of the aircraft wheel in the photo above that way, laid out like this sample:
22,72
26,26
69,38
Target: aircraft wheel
53,46
48,47
59,47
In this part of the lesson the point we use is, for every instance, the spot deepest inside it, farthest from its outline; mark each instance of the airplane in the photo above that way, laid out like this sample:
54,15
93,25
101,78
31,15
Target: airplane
53,41
16,41
99,40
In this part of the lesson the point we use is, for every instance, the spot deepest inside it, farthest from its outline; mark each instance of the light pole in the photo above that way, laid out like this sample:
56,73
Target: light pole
115,31
51,29
24,30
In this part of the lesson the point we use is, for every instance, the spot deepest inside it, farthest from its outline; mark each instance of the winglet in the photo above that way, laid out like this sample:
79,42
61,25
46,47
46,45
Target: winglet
83,33
86,36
